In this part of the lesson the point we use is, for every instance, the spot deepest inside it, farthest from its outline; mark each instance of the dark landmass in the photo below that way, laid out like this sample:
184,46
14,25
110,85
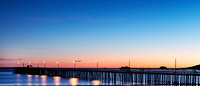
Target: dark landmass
193,67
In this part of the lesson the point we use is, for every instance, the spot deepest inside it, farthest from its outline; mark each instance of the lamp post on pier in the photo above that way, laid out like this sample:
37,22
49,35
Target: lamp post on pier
129,63
18,64
57,63
175,65
44,64
74,64
96,61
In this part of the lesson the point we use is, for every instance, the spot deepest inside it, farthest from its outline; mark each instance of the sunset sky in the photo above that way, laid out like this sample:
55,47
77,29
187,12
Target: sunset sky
149,33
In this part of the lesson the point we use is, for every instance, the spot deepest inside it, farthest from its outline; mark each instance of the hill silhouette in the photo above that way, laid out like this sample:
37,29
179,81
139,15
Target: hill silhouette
194,67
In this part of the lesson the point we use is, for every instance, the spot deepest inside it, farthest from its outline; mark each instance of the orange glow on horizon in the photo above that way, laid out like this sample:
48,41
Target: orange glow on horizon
106,64
145,61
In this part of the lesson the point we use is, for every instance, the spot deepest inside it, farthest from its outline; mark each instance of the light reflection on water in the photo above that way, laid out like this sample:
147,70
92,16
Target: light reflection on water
24,79
29,79
44,77
18,79
96,82
56,80
73,81
37,78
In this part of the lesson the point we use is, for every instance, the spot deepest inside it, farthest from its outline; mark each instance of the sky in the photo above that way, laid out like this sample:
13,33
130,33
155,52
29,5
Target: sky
149,33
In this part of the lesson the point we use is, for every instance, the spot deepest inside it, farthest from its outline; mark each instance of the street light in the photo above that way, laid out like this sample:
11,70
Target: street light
18,64
129,63
74,64
175,65
44,64
57,63
96,61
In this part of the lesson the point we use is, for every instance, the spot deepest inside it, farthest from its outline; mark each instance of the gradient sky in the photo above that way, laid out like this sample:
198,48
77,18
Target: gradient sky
150,33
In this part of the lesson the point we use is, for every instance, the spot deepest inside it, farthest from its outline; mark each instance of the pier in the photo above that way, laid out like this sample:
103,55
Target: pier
116,76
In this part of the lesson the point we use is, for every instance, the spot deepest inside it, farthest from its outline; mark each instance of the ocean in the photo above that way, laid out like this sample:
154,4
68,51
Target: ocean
7,77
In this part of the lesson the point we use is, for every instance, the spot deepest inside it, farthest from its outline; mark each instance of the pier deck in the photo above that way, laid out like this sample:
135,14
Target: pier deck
120,76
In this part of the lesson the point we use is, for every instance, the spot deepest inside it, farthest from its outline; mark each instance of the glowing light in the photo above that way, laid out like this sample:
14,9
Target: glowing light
29,63
57,63
96,82
43,76
74,64
73,81
44,63
18,64
56,80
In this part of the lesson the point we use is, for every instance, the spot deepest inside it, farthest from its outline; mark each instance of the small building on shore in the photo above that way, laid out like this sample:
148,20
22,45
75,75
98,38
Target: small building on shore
29,66
163,67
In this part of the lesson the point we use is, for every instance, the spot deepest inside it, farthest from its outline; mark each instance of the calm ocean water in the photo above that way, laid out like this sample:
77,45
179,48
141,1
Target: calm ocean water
7,77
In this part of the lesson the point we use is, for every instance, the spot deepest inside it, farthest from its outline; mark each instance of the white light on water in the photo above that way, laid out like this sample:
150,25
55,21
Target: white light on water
44,78
56,80
29,79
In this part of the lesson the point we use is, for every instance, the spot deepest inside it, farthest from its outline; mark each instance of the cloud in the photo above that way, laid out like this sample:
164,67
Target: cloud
89,19
41,19
5,59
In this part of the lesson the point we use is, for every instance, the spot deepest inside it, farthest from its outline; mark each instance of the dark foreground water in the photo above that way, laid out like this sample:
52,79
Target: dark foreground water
7,77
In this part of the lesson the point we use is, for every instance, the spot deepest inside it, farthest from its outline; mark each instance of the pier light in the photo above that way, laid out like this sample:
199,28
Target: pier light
57,63
175,65
29,62
129,63
44,64
74,64
96,61
18,64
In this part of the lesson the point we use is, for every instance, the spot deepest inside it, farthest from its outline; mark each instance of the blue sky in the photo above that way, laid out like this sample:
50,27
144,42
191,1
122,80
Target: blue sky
89,29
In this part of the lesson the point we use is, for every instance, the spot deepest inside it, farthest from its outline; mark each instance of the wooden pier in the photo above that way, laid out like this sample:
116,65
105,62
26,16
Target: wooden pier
118,76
